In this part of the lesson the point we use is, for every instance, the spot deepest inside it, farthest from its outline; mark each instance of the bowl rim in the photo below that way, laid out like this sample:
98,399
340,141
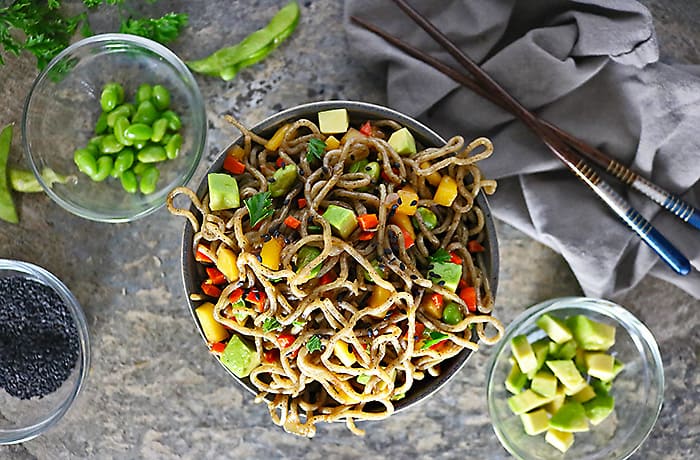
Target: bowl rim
199,144
378,112
637,330
18,435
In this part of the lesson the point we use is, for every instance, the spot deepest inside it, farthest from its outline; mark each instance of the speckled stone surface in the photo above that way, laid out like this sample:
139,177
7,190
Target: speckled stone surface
154,392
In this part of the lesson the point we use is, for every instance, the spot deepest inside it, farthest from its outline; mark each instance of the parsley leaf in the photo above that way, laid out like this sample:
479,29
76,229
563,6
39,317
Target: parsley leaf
315,149
440,256
314,343
271,324
435,338
259,207
163,30
299,323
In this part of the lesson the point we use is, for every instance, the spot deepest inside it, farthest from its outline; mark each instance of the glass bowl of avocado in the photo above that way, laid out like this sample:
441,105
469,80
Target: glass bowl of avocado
575,376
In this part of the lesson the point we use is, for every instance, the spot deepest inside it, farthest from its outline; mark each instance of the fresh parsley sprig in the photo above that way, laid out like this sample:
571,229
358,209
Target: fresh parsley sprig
271,324
314,344
435,338
259,207
440,256
315,149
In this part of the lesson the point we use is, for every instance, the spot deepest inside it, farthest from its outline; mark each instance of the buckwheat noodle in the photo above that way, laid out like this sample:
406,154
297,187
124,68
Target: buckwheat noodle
302,387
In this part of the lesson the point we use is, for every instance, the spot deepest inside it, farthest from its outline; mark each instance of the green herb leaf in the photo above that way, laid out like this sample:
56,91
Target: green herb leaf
440,256
271,324
315,149
298,323
314,344
435,338
164,29
259,207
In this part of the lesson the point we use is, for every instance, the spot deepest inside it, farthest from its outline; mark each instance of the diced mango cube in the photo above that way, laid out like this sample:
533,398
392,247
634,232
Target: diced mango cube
213,330
277,138
378,297
226,263
270,253
434,178
332,143
408,201
342,351
446,191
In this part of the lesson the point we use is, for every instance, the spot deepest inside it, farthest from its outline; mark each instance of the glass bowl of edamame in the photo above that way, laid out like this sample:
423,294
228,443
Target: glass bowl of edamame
123,117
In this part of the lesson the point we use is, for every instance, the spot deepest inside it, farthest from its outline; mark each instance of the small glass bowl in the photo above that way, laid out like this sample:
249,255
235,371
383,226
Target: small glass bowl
24,419
638,390
63,106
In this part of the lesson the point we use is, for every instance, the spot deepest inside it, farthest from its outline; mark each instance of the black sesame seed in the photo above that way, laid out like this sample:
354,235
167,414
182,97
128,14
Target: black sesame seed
441,282
286,201
283,164
402,266
414,203
394,207
324,169
259,258
266,237
271,180
387,251
368,168
399,201
414,277
431,266
301,172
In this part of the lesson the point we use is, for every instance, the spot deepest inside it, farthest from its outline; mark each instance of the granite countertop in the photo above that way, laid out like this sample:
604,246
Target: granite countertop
154,392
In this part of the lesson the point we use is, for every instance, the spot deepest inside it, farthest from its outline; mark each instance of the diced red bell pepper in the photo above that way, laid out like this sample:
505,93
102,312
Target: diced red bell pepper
439,346
200,256
294,354
218,347
236,295
328,277
475,246
301,203
468,294
233,165
386,177
420,328
455,259
292,222
367,221
437,299
210,289
408,240
280,162
215,275
271,356
257,298
366,128
285,339
366,236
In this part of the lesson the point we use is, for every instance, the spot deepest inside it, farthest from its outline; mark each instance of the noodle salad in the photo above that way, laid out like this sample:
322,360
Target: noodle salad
341,264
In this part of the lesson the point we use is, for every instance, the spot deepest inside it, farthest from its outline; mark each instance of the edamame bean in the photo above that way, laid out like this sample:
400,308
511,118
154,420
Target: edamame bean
161,97
93,148
152,154
174,122
138,145
110,144
373,169
120,127
85,161
166,139
148,181
146,113
172,148
129,181
111,96
139,168
428,216
138,132
104,168
95,141
144,93
124,110
101,124
124,161
159,128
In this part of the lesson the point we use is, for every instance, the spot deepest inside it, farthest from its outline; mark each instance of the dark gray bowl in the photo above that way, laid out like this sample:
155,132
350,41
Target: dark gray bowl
193,273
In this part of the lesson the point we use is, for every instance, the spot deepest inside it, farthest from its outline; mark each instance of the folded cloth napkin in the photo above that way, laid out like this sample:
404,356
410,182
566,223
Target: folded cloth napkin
588,66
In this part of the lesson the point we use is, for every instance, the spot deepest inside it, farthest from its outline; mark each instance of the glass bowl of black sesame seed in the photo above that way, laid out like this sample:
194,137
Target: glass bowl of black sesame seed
44,350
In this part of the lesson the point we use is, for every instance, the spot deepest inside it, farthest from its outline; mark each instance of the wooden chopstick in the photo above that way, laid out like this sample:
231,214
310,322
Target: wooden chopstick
484,85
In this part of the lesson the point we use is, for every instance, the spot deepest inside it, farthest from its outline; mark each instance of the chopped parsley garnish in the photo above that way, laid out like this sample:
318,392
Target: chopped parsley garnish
271,324
299,323
164,29
435,338
259,207
440,256
315,149
314,343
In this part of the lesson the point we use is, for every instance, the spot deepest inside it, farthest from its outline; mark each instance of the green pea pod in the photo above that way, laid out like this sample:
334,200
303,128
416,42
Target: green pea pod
152,154
85,161
149,179
144,93
161,97
138,132
129,181
25,181
160,126
226,62
172,148
146,113
7,206
104,168
120,127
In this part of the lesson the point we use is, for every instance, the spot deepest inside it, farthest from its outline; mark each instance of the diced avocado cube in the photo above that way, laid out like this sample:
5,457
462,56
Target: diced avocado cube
617,367
598,408
586,394
568,375
554,348
239,357
342,220
363,379
561,440
535,422
223,192
541,349
516,380
566,351
305,255
446,274
580,361
402,142
559,397
591,335
600,365
555,328
526,401
544,383
524,355
571,417
333,121
600,387
240,315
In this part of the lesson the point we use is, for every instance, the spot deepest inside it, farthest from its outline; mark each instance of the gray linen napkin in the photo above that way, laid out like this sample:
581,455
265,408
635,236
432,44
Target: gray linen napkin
590,67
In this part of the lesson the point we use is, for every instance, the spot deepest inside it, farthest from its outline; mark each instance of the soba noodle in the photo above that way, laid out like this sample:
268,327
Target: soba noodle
331,300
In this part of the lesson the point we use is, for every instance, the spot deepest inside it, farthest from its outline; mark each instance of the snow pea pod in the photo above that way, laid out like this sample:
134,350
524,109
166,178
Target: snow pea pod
7,206
25,181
